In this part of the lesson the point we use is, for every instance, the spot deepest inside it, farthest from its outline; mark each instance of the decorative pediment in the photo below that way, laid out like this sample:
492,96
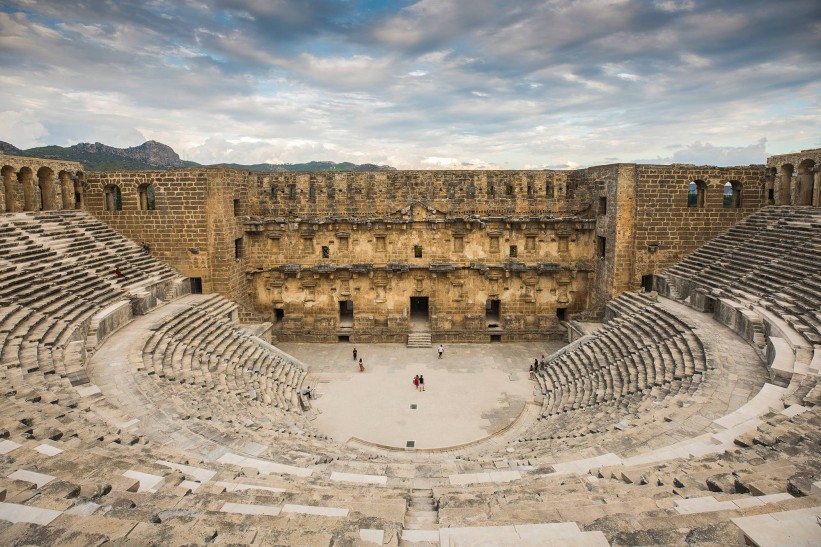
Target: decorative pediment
419,210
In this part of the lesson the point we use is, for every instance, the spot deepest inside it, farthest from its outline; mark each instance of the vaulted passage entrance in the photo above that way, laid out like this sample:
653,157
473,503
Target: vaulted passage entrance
419,312
345,313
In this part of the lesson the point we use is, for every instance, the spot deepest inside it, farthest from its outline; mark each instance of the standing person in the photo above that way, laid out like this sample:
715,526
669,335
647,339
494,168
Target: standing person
542,363
416,382
421,383
354,354
361,366
533,370
118,273
441,350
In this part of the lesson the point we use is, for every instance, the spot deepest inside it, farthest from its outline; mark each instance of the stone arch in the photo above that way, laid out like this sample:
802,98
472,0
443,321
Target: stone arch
113,198
732,194
783,185
697,194
146,197
25,178
79,190
804,183
66,189
9,189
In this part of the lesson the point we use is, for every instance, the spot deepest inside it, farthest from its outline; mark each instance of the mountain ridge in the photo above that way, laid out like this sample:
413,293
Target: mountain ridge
155,155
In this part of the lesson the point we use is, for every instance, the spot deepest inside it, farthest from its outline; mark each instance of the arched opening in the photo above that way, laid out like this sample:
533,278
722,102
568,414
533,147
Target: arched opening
782,190
804,183
9,189
45,185
79,190
696,194
25,177
769,185
113,198
146,197
732,194
550,191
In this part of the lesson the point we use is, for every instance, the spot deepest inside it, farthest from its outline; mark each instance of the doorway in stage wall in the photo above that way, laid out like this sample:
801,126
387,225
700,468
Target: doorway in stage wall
493,310
345,313
419,313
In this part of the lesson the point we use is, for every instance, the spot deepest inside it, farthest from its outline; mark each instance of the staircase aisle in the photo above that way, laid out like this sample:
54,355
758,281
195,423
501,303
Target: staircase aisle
421,525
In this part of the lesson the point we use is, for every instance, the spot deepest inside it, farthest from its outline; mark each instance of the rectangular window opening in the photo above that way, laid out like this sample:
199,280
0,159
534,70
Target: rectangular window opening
561,314
417,251
603,205
602,246
514,251
279,314
326,251
238,248
237,208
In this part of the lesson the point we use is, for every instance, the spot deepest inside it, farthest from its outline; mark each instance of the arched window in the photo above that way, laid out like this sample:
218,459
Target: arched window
696,194
732,194
146,196
113,198
9,188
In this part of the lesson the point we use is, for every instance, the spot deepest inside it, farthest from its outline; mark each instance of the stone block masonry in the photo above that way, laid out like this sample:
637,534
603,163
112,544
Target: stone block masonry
464,255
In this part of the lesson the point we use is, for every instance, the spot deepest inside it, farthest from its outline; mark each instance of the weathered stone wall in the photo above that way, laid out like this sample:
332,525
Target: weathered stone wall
665,228
385,193
37,184
523,239
192,226
290,247
795,179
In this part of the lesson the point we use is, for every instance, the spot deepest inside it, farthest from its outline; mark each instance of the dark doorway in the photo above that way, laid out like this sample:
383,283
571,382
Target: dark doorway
196,285
279,314
493,309
344,338
561,314
647,282
346,313
419,311
495,338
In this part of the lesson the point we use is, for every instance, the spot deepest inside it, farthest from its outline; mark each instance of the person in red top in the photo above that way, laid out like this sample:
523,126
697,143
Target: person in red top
416,382
118,273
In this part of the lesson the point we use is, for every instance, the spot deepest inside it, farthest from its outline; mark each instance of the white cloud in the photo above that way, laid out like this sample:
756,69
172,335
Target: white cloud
24,128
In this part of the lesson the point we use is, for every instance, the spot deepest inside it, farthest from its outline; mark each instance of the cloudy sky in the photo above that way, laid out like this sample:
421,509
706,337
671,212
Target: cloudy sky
427,84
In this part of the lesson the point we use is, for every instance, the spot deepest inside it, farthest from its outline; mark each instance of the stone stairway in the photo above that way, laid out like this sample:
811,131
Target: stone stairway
421,526
419,340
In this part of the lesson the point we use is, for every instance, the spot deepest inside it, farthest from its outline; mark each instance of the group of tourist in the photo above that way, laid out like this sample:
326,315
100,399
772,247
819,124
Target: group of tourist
537,366
419,382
